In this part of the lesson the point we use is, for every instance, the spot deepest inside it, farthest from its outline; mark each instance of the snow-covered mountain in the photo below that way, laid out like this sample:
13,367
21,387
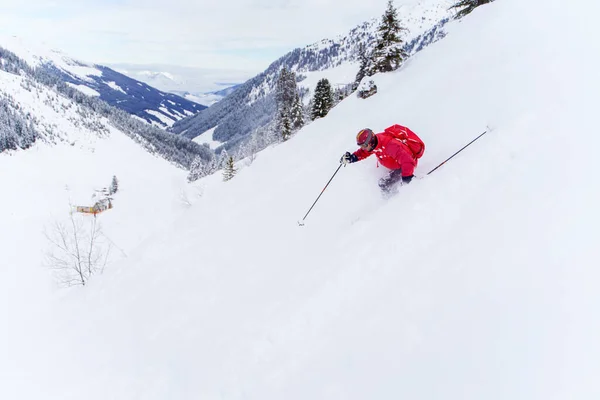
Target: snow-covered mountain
478,281
137,98
39,108
209,98
252,105
160,79
202,85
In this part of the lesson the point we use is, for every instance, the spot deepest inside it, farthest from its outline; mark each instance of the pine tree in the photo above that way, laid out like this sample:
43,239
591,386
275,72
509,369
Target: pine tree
297,113
388,54
285,124
114,186
289,104
365,65
209,168
195,170
465,7
229,170
322,100
286,88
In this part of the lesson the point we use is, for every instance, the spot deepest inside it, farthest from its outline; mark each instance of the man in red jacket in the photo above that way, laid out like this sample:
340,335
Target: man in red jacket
391,151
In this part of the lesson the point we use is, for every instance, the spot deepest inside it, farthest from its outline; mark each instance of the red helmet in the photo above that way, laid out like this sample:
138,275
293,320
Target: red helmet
366,139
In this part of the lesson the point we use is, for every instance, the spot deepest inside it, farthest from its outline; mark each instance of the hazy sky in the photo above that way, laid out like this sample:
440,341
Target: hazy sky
233,34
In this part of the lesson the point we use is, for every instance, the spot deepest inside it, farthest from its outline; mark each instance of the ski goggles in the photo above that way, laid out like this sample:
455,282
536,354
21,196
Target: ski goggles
365,138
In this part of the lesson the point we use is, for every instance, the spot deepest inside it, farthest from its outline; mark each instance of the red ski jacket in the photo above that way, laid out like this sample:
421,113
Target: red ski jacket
391,153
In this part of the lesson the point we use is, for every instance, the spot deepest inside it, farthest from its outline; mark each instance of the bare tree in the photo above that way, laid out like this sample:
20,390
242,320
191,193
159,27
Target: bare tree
76,252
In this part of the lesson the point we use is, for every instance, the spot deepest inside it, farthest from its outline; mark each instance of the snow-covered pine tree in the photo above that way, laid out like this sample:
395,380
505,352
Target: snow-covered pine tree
16,128
341,92
284,123
286,88
195,170
289,105
297,113
114,185
365,65
322,100
223,157
465,7
388,54
229,170
209,168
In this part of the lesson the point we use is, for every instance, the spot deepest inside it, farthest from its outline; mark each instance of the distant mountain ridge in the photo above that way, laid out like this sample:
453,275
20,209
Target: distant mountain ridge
156,107
202,85
210,98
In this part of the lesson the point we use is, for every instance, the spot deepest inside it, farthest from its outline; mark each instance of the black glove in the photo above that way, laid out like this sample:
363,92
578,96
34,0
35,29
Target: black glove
406,179
348,158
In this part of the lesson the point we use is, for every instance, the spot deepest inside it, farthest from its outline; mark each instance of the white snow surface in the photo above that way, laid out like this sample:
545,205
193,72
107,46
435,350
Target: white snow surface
67,165
84,89
207,137
114,86
477,282
175,114
165,119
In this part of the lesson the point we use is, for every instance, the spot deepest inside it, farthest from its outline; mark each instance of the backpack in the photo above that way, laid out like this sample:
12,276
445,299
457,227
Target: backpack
409,138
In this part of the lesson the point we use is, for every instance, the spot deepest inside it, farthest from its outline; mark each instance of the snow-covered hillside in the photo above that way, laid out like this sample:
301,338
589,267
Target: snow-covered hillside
154,106
477,282
38,107
252,105
75,153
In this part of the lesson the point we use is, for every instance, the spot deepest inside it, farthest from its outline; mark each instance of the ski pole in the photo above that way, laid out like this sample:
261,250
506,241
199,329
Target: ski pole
448,159
301,223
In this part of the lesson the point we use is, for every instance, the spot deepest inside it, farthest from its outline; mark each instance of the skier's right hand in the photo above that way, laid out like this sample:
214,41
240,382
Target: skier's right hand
348,158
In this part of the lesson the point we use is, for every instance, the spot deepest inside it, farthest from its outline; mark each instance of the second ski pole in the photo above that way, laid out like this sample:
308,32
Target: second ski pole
452,156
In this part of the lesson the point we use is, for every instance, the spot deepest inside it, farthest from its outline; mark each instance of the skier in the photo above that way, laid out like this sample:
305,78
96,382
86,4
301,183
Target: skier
397,148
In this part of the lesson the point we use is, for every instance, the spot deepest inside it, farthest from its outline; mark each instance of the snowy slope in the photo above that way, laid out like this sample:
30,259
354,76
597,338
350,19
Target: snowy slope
477,282
207,138
154,106
38,186
74,157
78,152
57,118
